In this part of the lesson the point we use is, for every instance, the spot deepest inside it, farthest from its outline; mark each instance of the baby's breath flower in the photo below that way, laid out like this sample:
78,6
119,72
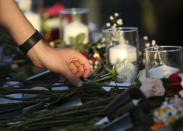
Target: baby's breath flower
147,45
108,24
116,14
114,25
145,38
119,22
153,42
111,18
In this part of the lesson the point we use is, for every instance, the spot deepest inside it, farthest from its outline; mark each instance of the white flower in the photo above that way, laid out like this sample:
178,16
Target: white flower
126,71
152,87
153,42
116,14
176,100
181,76
108,24
114,26
142,75
147,44
119,22
111,18
181,93
145,38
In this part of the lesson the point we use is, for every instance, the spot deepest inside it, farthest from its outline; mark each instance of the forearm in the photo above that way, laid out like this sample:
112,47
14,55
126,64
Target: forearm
13,19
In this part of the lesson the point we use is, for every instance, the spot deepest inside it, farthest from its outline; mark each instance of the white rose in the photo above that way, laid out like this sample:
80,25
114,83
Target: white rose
126,71
152,87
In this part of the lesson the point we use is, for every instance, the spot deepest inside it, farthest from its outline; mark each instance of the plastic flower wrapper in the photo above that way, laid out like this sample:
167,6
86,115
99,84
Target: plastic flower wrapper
126,71
162,71
158,72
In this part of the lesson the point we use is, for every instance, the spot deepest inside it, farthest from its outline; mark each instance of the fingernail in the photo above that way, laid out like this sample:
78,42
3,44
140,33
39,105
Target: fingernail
80,84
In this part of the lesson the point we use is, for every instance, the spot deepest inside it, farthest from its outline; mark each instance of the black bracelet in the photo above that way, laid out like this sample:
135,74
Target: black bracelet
29,43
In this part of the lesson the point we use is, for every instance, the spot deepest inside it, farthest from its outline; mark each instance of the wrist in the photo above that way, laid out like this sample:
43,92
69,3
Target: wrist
30,42
37,52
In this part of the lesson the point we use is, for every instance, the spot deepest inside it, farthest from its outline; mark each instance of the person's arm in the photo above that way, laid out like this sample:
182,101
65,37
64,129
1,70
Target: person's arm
67,62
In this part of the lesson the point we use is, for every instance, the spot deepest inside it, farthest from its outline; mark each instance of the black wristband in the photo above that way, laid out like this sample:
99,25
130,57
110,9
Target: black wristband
29,43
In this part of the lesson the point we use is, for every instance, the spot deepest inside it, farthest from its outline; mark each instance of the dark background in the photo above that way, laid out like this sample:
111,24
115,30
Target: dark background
161,20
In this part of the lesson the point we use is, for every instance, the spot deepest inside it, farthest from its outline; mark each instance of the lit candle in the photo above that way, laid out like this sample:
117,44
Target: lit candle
74,29
121,52
34,19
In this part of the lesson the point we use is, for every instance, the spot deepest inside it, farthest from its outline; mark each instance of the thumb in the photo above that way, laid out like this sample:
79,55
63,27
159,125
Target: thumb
73,79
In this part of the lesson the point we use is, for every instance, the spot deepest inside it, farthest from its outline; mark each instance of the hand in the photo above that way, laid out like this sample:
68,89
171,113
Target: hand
68,62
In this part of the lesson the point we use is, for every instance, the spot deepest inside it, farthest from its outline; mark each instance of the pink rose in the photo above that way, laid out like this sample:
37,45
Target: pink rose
152,87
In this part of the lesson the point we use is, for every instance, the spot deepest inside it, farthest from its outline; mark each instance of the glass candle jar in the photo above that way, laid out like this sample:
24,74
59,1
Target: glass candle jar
162,61
74,21
122,43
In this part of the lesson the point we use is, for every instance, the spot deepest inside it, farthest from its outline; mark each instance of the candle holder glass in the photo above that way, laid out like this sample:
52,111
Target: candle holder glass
122,43
161,61
74,21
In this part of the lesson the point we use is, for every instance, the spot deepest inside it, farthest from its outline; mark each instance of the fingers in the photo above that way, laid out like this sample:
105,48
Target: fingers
73,67
87,71
73,78
79,69
86,67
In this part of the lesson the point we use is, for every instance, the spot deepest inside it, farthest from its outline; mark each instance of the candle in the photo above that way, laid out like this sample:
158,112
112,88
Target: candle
74,29
34,19
121,52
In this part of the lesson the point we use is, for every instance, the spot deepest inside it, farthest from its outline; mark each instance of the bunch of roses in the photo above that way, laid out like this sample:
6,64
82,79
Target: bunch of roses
172,108
158,87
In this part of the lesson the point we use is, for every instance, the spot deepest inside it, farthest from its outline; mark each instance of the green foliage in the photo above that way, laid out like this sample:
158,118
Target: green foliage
77,42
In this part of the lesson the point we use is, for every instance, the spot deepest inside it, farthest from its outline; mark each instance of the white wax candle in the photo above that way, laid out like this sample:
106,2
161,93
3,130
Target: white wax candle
74,29
121,52
162,71
34,19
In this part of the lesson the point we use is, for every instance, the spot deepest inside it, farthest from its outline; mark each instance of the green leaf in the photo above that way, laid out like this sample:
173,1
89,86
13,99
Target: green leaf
109,70
61,44
73,40
80,38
